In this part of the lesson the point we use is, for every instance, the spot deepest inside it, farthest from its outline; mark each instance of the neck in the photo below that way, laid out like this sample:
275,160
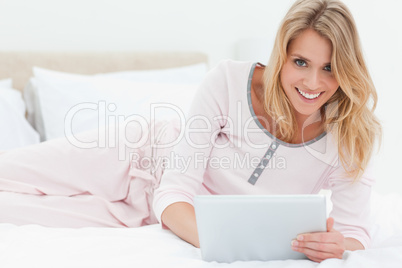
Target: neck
304,121
309,126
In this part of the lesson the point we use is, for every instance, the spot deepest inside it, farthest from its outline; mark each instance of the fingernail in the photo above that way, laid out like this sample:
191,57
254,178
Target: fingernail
294,243
300,237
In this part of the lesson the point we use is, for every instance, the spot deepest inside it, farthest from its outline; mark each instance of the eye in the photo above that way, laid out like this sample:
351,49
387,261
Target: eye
300,63
328,68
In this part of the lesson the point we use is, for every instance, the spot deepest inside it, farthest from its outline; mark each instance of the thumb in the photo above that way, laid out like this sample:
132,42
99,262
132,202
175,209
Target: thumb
330,224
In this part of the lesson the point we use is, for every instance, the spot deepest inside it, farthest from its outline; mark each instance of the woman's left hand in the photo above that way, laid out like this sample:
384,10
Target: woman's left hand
321,245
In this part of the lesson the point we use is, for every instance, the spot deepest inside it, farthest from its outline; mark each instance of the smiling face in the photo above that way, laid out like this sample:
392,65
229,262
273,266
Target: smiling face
306,76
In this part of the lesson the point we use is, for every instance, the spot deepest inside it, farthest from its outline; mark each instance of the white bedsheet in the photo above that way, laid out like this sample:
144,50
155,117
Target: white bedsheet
150,246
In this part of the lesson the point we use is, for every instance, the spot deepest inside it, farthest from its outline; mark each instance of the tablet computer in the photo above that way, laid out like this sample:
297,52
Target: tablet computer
256,227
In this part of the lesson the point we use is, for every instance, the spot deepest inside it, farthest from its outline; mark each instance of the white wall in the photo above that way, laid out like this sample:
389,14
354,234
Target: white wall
214,27
210,26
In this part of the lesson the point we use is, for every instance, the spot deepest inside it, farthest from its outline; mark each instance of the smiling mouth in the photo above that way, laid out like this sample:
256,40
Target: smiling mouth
308,96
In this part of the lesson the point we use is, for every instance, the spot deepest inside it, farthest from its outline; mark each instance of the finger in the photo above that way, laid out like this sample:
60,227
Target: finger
322,237
323,247
314,259
318,255
330,224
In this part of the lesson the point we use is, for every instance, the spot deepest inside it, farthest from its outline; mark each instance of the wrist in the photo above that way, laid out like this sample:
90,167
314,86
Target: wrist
353,244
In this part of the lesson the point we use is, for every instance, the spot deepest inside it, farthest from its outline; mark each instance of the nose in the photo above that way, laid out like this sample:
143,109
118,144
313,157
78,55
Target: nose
312,80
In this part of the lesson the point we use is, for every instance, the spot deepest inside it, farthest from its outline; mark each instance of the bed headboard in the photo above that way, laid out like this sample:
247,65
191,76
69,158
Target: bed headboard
18,65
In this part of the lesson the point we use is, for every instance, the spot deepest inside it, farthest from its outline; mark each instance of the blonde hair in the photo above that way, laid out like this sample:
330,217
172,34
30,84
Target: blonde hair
348,114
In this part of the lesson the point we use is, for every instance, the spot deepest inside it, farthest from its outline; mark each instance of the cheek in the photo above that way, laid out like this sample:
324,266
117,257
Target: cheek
287,76
333,84
291,76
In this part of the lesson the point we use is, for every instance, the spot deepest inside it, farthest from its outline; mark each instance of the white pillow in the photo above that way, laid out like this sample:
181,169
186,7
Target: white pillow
12,97
6,83
15,130
51,94
70,104
192,74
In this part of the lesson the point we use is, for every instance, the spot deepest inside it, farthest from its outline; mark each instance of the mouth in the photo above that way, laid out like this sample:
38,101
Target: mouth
308,96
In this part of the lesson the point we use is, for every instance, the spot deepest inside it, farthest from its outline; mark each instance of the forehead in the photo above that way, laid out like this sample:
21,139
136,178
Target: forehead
312,46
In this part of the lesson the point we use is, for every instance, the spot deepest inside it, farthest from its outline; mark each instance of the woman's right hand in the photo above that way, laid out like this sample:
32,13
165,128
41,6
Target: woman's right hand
180,219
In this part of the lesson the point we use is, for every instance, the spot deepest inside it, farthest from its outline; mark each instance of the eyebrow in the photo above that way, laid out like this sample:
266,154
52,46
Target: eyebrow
305,59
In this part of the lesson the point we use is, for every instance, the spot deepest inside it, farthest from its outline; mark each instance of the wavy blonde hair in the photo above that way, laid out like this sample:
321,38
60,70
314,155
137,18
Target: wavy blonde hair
348,114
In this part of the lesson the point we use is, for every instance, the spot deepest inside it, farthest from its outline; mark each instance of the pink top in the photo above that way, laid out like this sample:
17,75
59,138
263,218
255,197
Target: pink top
225,150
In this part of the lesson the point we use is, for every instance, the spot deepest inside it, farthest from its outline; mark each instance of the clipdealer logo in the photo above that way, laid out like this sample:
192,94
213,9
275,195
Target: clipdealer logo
116,131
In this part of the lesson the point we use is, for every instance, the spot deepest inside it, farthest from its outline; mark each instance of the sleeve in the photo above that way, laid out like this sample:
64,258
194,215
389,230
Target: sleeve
182,180
351,204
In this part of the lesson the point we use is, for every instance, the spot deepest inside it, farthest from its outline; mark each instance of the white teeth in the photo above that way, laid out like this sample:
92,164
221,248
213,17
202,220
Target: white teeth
308,96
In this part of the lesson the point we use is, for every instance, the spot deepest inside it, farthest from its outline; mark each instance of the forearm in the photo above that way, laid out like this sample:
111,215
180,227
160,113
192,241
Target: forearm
180,218
352,244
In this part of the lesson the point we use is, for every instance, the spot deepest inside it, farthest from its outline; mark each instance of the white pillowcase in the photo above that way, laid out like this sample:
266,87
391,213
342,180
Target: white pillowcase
192,74
6,83
64,104
15,130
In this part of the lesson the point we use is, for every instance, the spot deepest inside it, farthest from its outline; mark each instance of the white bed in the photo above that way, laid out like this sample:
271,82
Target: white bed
149,246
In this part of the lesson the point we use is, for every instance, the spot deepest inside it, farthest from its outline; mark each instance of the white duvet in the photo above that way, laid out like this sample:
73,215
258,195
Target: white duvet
150,246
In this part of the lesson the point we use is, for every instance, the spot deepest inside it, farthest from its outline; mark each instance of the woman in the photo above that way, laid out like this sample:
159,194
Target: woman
298,125
315,87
